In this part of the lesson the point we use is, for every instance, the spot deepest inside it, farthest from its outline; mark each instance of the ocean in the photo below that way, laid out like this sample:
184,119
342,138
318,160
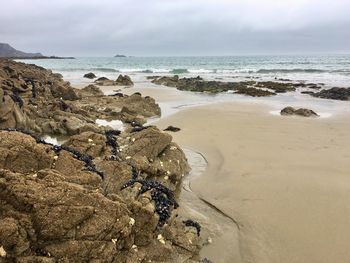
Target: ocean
332,70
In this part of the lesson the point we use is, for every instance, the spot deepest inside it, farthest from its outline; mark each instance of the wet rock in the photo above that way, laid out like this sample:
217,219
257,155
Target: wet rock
103,81
149,142
277,87
253,92
199,85
172,129
333,93
124,81
91,90
88,143
300,112
90,75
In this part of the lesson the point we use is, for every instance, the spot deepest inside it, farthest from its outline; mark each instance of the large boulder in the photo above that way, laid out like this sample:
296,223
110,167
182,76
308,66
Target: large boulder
124,81
90,75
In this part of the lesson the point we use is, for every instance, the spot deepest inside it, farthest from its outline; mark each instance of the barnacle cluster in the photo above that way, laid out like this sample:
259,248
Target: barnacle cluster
162,196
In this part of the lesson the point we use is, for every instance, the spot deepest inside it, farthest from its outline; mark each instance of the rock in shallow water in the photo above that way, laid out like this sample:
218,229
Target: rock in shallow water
90,75
300,112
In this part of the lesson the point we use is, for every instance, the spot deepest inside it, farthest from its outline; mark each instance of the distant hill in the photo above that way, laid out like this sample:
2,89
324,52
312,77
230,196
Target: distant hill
120,56
6,51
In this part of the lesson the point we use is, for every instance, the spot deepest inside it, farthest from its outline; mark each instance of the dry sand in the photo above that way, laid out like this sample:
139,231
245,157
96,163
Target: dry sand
284,180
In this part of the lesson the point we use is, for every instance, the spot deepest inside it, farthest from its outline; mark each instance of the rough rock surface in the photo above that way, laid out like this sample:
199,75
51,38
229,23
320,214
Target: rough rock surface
251,88
124,81
300,112
104,195
34,99
333,93
55,210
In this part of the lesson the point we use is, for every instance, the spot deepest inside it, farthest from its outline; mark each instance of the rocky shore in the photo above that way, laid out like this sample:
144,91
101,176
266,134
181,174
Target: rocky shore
251,87
105,195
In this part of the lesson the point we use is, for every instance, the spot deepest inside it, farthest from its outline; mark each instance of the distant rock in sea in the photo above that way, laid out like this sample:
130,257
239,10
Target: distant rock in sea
120,56
7,51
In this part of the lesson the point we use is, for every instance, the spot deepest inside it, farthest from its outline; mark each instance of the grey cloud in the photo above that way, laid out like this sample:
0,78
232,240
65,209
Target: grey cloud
164,27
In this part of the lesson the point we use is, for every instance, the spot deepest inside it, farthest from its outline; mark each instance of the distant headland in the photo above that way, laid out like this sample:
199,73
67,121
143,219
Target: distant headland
7,51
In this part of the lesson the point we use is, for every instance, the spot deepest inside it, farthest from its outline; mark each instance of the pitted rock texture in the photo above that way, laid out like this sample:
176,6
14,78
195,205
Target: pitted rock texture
53,209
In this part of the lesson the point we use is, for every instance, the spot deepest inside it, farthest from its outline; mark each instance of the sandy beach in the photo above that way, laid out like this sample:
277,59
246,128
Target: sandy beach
284,180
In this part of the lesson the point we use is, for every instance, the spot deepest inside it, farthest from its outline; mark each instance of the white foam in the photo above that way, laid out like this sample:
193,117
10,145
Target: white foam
50,139
115,124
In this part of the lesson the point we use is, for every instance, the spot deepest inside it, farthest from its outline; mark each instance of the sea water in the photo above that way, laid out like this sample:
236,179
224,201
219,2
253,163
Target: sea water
330,70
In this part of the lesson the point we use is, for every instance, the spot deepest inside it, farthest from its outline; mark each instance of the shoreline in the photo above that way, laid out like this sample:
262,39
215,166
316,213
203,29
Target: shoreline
252,243
257,238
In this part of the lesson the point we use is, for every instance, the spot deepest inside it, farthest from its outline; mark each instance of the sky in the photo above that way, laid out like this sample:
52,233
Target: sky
176,27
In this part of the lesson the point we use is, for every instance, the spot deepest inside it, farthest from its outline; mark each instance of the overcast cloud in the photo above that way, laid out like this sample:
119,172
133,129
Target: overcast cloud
177,27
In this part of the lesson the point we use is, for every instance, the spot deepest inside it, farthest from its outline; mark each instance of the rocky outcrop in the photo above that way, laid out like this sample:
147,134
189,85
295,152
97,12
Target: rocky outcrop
104,195
299,112
90,75
37,100
250,88
54,208
333,93
124,81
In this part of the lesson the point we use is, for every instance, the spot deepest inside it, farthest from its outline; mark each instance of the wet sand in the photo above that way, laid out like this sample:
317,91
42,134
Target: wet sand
285,181
276,189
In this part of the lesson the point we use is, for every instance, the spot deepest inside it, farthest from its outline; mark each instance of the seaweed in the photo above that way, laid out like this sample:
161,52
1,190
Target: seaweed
112,140
89,165
162,196
194,224
87,159
135,172
16,98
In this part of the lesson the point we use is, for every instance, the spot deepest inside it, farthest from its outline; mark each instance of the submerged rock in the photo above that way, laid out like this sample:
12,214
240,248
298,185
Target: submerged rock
300,112
333,93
